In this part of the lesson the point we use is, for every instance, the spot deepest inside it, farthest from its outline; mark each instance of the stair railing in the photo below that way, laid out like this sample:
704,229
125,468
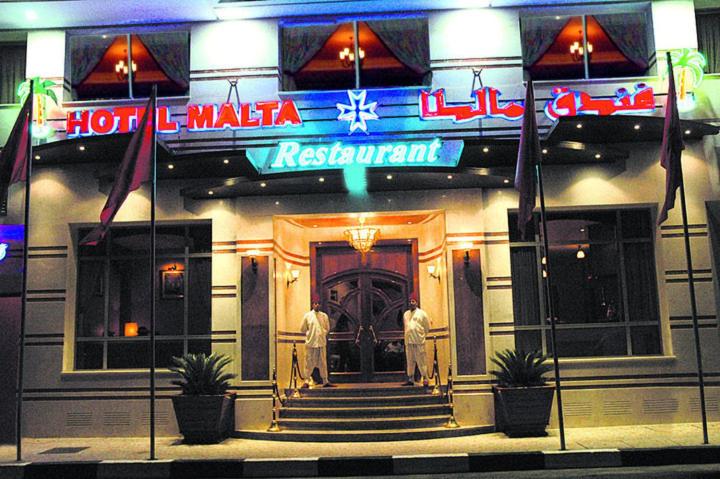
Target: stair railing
451,423
295,373
435,375
276,398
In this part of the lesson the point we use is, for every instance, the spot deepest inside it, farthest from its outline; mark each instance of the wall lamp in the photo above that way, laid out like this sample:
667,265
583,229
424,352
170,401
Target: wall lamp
291,275
433,271
253,253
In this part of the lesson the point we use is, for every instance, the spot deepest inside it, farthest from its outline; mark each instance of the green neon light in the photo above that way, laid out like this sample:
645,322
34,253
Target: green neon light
291,156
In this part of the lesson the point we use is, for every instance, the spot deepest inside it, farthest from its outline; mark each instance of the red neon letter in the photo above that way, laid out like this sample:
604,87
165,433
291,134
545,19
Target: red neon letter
247,121
266,108
102,122
288,114
164,125
77,126
227,116
125,115
200,117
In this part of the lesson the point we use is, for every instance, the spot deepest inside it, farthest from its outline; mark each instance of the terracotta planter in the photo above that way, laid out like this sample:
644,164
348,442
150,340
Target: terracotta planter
205,419
521,412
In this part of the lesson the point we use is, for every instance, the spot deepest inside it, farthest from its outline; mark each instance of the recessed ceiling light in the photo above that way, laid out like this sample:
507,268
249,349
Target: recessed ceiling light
226,161
37,157
104,36
211,192
171,166
506,181
687,132
557,17
263,184
314,226
389,177
598,156
544,151
485,149
409,222
449,177
81,147
582,230
277,203
321,179
579,125
637,127
31,15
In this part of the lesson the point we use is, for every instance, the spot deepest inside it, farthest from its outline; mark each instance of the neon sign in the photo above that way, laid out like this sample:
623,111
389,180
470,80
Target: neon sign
262,114
565,102
3,251
357,112
291,156
568,102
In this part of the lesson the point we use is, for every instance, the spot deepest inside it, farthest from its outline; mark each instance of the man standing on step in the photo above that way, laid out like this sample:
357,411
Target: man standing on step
316,326
416,324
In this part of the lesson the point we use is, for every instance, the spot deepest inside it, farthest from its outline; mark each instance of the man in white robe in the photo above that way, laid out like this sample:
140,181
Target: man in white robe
417,325
316,326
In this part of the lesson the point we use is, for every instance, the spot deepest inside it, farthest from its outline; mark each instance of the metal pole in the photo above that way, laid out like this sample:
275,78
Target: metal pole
550,308
153,280
356,46
23,303
129,65
693,309
586,53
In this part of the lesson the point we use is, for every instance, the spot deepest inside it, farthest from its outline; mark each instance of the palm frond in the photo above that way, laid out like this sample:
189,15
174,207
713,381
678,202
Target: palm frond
520,369
201,374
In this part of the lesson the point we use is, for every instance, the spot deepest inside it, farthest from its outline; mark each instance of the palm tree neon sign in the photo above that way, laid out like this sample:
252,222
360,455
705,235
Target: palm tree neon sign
42,90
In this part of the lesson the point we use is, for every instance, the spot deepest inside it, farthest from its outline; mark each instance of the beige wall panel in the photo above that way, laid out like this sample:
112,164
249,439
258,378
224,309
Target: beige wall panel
261,35
46,318
253,413
474,408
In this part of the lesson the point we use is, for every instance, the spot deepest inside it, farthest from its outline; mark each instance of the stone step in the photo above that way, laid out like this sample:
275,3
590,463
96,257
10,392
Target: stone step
350,424
355,391
370,401
365,412
365,435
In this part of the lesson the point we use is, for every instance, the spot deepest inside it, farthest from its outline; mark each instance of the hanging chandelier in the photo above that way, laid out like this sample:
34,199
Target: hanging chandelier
347,56
121,69
362,237
577,51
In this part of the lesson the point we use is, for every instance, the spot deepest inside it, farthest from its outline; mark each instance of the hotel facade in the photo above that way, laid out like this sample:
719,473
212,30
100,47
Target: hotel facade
281,127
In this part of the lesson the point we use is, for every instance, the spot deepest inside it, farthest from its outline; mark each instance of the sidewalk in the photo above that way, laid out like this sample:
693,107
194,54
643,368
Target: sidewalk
587,447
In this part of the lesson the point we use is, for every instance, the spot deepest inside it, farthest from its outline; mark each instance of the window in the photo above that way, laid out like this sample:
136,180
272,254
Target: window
113,296
326,57
12,70
102,66
603,287
616,45
708,31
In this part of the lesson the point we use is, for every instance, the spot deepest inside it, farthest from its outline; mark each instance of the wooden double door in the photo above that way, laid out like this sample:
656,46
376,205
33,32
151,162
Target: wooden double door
365,297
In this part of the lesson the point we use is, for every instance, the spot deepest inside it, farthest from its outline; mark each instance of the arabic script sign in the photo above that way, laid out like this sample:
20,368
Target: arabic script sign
291,156
565,102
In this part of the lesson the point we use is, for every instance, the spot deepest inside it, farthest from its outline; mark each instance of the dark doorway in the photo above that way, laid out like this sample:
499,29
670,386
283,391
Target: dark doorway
365,298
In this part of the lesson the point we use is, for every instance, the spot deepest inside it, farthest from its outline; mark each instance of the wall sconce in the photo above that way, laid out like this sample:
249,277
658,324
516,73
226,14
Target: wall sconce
253,253
433,271
291,275
580,253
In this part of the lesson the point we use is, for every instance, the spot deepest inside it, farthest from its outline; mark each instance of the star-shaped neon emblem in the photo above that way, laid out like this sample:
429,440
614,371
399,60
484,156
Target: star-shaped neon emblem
357,112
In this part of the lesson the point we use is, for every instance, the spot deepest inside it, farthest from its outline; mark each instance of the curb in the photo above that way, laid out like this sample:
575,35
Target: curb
363,466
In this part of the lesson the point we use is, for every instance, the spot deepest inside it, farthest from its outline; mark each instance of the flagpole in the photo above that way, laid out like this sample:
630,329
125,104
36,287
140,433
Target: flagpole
693,309
23,305
553,334
153,279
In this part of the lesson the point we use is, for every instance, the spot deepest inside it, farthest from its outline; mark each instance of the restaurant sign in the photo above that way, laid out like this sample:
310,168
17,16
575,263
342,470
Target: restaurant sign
291,156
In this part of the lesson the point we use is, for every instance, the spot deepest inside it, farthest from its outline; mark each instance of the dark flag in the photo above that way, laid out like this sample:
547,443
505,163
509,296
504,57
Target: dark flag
528,156
672,146
14,156
134,171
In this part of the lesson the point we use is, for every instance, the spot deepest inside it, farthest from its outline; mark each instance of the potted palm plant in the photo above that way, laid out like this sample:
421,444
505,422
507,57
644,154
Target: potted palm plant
523,399
204,410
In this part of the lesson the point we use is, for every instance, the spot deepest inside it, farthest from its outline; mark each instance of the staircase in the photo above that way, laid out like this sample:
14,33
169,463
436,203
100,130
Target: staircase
362,413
